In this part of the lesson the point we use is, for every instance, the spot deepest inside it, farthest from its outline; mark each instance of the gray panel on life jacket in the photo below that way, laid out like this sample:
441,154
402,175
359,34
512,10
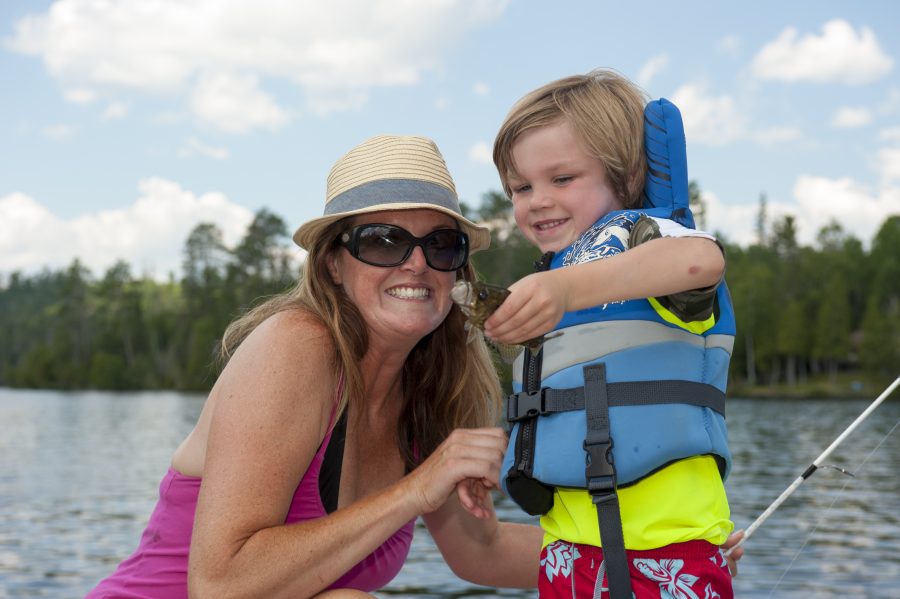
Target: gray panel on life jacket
594,340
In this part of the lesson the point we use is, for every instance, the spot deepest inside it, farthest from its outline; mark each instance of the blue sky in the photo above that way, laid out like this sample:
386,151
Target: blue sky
127,122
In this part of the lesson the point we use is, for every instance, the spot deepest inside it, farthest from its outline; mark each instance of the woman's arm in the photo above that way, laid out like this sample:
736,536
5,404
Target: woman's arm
273,405
484,550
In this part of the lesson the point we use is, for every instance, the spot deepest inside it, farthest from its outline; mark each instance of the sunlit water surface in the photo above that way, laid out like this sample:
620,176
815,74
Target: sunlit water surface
79,475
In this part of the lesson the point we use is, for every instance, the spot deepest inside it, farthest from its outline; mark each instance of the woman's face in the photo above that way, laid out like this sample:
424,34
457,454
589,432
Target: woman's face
400,304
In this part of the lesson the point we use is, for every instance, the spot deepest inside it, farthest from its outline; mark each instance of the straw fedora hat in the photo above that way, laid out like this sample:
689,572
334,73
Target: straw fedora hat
391,172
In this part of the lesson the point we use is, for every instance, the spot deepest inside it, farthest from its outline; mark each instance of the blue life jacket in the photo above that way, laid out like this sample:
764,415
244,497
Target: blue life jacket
666,384
628,388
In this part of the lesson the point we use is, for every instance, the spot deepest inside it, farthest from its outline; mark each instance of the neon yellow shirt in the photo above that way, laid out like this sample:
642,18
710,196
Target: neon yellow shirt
684,501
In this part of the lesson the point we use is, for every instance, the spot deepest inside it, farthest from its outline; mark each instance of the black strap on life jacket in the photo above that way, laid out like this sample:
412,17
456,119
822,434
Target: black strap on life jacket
531,495
546,400
600,478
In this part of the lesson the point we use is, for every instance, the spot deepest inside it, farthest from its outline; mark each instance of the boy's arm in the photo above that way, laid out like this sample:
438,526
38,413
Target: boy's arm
659,267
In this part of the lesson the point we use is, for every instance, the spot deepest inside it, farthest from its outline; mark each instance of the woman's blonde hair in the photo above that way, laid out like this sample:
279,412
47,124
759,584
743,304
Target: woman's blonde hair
606,111
448,381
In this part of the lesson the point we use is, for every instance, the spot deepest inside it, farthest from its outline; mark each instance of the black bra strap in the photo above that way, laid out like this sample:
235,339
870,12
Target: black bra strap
330,472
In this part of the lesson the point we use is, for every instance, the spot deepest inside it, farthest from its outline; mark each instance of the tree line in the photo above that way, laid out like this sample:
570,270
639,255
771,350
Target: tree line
68,330
802,312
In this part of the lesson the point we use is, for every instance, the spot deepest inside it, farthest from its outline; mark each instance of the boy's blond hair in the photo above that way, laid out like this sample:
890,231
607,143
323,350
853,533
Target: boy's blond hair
606,111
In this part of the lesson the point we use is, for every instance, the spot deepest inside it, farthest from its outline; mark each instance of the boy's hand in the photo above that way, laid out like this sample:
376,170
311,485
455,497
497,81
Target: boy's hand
737,554
475,497
535,305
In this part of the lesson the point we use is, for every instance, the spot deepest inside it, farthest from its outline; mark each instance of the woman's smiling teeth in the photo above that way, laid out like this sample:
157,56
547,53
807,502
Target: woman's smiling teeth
409,292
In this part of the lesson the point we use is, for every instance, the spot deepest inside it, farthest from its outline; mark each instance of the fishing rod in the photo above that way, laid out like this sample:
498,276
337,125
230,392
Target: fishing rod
817,463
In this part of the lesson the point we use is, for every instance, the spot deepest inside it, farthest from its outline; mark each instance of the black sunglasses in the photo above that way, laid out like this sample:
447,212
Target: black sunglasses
389,245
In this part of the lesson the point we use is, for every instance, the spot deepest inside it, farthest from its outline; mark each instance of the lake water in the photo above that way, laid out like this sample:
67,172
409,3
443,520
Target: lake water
79,474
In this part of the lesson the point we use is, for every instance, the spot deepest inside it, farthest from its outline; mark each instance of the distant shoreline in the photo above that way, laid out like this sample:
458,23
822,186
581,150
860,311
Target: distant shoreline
847,385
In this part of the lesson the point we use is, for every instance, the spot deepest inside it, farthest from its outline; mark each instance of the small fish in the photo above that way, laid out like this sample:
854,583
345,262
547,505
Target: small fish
478,301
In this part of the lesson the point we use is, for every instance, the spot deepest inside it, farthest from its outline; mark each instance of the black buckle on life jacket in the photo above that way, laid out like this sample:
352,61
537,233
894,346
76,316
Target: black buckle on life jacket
600,472
525,405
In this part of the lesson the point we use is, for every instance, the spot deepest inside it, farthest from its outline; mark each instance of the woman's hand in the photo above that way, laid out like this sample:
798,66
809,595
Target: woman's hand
735,555
468,461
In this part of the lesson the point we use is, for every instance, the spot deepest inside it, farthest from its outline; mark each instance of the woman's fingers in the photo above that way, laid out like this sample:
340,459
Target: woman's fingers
467,454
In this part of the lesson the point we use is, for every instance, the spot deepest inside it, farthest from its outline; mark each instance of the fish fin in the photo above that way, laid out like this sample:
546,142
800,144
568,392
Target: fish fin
472,332
508,352
538,342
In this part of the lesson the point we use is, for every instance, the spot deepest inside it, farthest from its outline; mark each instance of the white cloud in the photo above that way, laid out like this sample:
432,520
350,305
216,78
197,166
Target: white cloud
735,221
707,119
149,234
889,165
857,209
838,55
234,103
651,68
115,111
849,117
80,95
335,51
719,120
194,146
481,153
890,134
730,44
817,201
481,89
441,103
59,132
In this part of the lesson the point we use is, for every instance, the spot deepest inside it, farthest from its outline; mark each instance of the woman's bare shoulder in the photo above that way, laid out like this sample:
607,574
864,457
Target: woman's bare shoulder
287,360
294,329
287,349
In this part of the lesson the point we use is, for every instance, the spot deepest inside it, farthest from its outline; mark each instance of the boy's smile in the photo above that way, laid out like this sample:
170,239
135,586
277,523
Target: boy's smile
558,189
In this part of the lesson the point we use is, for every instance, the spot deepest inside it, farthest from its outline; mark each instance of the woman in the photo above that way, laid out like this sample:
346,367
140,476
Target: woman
263,497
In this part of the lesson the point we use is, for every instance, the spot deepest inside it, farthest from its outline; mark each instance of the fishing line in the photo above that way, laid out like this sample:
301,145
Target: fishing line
830,507
817,463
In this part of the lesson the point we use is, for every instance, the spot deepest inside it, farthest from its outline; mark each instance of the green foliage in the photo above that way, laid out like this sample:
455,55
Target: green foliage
510,256
202,345
762,221
879,351
832,332
800,310
507,261
697,204
66,330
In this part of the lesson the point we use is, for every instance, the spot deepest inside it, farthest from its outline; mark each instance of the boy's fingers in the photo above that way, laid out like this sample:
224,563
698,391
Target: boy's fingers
508,309
509,324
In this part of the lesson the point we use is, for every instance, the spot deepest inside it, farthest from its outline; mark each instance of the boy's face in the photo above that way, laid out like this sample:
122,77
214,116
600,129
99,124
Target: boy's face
559,190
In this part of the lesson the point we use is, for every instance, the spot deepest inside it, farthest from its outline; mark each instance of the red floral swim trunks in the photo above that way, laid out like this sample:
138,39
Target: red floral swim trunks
692,570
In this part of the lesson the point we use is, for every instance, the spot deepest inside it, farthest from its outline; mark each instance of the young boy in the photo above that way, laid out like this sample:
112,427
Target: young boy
619,436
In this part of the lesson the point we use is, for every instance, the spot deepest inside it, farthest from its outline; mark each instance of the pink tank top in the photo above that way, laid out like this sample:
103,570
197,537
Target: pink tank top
158,568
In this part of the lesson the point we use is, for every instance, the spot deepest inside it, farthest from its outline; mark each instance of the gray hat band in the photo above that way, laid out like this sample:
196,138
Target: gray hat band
393,191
